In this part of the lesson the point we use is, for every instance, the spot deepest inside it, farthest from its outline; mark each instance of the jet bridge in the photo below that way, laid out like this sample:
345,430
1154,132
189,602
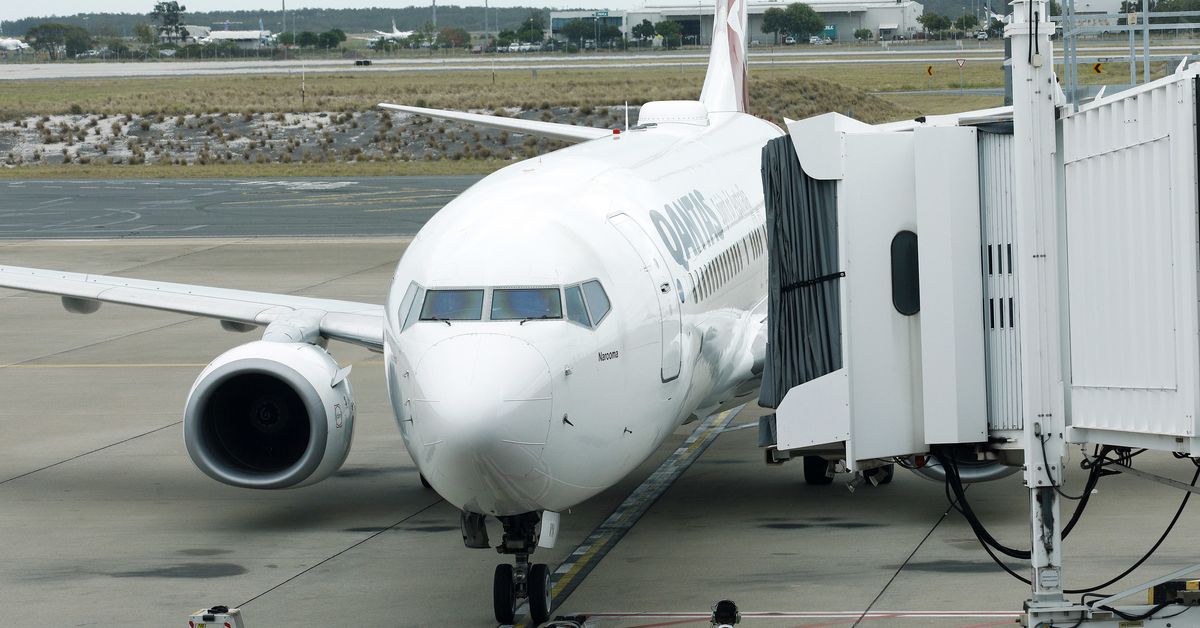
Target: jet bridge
976,291
895,320
885,255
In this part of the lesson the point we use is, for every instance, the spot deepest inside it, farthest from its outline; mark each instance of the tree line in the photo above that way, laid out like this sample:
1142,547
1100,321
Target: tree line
111,25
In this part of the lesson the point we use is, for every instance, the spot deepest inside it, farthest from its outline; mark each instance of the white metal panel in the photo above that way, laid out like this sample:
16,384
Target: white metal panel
660,280
952,357
1132,254
1002,339
816,412
820,145
876,200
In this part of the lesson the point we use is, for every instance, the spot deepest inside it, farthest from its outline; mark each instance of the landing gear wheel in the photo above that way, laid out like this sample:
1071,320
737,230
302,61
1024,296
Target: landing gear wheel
816,471
424,482
504,594
539,593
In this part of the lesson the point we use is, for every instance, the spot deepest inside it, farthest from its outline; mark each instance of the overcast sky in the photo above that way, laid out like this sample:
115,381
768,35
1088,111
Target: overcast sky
15,9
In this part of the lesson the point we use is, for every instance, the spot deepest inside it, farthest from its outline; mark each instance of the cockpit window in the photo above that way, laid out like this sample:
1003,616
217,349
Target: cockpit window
576,310
408,306
525,304
452,305
597,301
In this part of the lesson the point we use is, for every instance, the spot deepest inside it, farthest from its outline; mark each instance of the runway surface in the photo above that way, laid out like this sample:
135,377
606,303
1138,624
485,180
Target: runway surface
375,206
103,516
900,53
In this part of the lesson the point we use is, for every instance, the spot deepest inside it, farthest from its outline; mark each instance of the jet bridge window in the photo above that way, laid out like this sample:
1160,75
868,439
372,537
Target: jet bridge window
452,305
526,304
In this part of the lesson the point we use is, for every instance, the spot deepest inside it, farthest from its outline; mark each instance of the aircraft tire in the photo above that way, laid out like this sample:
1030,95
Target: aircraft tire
539,594
816,471
504,594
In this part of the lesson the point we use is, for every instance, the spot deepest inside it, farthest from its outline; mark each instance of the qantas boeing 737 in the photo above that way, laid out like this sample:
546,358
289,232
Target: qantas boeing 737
543,333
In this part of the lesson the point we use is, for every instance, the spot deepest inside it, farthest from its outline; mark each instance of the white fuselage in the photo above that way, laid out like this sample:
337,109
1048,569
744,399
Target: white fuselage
505,417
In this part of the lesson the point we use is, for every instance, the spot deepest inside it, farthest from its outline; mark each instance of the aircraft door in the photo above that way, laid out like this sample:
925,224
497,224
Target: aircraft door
663,285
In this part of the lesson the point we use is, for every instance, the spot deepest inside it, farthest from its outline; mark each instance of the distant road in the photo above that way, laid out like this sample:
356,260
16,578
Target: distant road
371,206
511,62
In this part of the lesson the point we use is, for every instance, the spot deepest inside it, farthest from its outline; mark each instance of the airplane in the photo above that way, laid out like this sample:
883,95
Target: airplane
396,35
543,333
12,45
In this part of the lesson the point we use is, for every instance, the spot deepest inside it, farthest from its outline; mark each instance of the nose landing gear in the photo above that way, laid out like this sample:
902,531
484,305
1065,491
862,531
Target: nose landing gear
522,581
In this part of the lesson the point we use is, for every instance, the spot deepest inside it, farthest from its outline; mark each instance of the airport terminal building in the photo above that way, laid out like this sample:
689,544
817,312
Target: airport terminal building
886,19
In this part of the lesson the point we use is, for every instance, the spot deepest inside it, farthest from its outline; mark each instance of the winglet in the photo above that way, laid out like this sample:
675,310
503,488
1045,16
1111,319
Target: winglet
552,130
726,85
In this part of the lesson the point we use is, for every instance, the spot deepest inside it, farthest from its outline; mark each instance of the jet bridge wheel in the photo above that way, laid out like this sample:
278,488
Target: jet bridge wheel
816,471
504,594
881,475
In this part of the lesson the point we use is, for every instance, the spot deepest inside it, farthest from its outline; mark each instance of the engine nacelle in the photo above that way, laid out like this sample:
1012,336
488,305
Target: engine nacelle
270,415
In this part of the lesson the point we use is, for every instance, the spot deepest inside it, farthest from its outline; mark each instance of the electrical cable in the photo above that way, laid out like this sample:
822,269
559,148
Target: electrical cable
1179,613
1186,496
1131,617
1053,482
954,481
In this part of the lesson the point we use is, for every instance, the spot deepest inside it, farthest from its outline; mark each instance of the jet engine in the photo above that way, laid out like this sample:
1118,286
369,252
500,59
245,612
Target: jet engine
270,415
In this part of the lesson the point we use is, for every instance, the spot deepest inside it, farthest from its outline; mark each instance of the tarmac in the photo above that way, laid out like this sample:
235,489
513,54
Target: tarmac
104,521
375,206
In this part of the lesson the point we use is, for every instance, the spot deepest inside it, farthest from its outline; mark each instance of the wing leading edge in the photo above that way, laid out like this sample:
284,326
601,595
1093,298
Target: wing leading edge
347,321
552,130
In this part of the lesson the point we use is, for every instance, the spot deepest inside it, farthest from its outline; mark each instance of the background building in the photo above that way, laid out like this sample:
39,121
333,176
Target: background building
886,19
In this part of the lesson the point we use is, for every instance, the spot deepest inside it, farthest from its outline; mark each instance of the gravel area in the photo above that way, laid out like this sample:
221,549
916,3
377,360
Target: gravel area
323,137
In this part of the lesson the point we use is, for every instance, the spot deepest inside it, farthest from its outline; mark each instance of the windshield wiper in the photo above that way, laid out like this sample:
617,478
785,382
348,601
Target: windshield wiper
537,318
444,320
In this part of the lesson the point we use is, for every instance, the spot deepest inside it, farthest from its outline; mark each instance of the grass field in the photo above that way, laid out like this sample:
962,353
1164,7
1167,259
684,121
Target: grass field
772,90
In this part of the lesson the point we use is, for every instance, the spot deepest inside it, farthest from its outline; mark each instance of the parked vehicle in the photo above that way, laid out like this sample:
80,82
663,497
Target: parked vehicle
789,40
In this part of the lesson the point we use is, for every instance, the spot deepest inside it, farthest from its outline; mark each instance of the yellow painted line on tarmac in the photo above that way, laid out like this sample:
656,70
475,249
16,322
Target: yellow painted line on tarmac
568,575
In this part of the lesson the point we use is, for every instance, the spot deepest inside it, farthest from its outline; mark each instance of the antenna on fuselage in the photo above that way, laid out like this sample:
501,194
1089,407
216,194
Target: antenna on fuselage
626,115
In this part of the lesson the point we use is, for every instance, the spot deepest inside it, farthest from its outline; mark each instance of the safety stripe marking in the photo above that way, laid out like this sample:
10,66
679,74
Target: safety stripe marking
571,573
818,615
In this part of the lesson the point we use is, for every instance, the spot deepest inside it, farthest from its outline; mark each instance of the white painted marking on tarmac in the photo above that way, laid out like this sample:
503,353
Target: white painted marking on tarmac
744,426
193,227
55,201
300,186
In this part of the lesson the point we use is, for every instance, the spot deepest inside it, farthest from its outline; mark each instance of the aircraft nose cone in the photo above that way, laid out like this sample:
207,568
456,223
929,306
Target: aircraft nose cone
481,409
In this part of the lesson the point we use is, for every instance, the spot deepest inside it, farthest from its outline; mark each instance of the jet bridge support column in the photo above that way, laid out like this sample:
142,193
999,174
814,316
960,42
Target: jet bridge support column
1035,97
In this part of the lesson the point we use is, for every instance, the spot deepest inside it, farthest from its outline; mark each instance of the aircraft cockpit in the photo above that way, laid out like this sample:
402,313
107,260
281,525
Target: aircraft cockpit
585,303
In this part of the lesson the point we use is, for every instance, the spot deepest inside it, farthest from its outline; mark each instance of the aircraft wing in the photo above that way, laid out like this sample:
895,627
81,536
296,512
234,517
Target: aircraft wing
348,321
552,130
